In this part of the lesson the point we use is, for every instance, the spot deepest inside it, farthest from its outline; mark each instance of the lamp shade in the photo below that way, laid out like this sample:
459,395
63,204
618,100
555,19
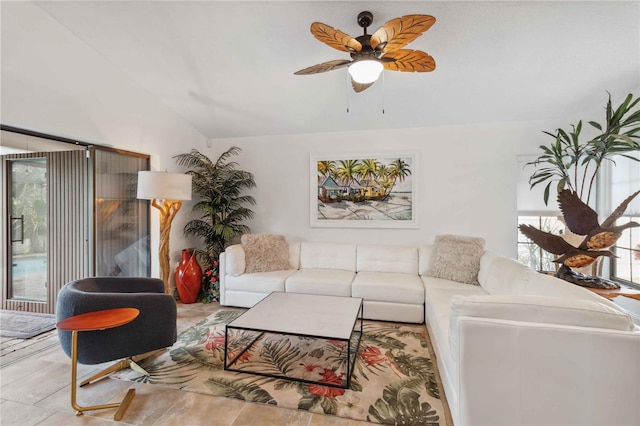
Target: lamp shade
365,71
164,186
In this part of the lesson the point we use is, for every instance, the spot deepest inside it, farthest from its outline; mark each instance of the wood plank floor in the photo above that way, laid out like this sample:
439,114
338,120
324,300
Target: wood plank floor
13,350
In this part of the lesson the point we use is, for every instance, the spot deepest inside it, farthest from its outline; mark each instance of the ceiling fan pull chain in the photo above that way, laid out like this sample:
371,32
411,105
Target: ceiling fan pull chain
346,91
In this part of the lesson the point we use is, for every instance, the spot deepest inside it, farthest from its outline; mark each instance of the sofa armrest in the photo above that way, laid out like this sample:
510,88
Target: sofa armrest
222,278
512,372
235,263
230,262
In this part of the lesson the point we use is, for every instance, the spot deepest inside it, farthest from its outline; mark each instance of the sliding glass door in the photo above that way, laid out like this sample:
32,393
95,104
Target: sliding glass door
48,224
121,220
68,211
28,229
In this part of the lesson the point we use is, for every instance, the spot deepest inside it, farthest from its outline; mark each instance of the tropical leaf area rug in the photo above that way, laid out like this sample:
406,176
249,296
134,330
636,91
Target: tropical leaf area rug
393,382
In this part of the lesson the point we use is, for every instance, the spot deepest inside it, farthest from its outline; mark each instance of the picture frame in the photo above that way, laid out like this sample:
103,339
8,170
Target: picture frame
363,190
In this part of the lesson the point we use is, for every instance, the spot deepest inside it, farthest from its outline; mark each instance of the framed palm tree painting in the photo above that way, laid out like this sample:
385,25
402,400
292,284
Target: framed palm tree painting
363,190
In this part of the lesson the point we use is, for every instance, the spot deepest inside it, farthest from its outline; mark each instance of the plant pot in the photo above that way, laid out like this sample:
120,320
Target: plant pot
188,277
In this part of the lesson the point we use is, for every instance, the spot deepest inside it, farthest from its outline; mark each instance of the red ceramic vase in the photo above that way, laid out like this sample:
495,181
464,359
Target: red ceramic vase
188,277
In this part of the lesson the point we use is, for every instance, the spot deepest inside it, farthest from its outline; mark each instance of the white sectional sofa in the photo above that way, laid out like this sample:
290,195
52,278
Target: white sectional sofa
519,348
386,277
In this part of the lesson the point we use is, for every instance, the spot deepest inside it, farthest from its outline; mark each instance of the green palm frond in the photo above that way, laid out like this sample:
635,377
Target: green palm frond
225,316
310,402
240,389
566,158
278,357
416,366
220,205
166,374
384,341
400,405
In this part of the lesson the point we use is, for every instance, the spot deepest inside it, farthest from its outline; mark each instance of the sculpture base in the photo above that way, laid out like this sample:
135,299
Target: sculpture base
567,274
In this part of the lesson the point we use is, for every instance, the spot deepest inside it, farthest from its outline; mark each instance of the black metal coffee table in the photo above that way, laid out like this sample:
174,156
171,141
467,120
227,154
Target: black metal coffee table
330,324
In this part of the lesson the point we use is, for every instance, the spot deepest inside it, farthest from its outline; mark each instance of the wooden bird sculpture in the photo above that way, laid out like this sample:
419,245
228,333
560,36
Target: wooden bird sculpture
583,220
570,256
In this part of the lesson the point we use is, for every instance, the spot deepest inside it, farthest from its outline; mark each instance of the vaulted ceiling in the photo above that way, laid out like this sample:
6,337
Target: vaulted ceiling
227,67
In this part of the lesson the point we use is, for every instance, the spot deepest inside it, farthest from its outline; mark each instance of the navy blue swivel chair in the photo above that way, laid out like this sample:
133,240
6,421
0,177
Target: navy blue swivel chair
154,329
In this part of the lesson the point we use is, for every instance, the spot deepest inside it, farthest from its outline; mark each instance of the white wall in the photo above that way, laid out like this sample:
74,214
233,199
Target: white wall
467,181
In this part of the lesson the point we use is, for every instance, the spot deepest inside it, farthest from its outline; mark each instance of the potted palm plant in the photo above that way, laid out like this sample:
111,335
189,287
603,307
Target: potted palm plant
574,164
220,209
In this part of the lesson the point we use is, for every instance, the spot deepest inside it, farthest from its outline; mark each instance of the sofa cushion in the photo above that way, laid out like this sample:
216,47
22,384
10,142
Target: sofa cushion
388,287
485,262
540,284
260,282
425,255
329,282
382,258
454,286
294,255
235,260
265,253
500,275
328,256
391,311
542,309
456,258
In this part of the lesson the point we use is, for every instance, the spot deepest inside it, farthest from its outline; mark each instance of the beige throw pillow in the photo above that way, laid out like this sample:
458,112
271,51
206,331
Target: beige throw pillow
457,258
265,253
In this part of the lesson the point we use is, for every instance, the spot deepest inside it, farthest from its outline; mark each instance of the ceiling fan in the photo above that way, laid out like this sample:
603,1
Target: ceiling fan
371,53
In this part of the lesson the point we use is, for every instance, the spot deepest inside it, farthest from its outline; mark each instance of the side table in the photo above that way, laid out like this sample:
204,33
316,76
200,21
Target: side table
93,321
613,293
626,297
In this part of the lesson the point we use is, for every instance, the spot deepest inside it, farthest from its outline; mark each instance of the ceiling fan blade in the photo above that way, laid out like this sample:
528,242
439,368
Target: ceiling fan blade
324,67
335,38
359,87
398,32
408,60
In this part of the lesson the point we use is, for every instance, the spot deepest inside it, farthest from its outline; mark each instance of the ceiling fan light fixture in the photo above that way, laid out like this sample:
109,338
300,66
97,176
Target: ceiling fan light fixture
365,71
371,53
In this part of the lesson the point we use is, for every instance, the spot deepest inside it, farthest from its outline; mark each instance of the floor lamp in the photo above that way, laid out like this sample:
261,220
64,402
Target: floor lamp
166,192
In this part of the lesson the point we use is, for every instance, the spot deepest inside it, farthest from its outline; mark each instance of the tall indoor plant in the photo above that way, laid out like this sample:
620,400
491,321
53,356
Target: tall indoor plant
574,164
220,209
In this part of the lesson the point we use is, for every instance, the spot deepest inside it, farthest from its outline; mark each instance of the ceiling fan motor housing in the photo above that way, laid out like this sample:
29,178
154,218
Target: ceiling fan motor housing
365,19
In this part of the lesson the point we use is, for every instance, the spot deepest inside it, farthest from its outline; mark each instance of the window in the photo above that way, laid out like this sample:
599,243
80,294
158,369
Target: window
620,180
529,252
627,265
533,211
